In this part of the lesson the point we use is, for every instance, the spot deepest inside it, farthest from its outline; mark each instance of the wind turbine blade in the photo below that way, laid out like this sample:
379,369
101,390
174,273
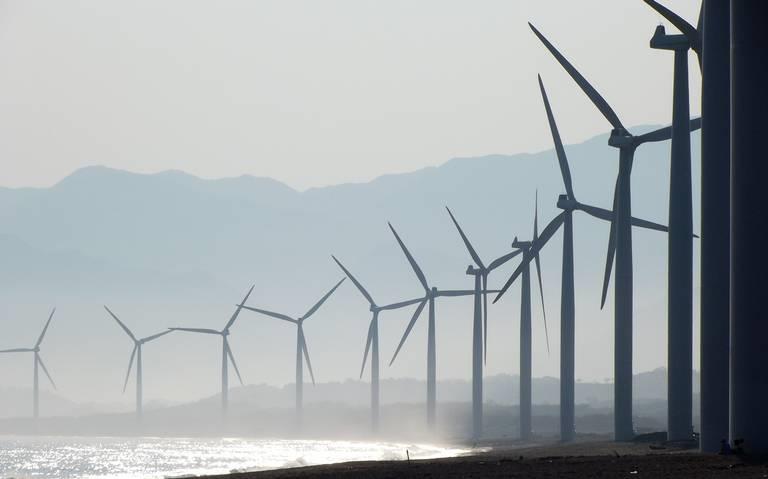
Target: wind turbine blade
322,300
45,329
588,89
510,281
414,265
700,21
408,329
541,291
155,336
649,225
17,350
232,360
606,215
536,216
238,309
611,249
596,212
452,293
565,170
690,32
45,370
401,304
503,259
485,318
196,330
537,261
699,28
306,356
536,246
122,325
663,134
355,281
367,348
472,252
130,366
271,314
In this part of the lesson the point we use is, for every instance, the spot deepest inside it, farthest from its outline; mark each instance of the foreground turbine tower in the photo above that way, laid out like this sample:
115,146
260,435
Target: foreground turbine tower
715,223
302,353
431,293
680,250
568,203
372,343
136,353
226,351
619,244
38,364
749,225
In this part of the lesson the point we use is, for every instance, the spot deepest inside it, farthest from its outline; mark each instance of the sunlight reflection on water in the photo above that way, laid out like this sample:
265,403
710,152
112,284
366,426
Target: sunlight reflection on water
147,457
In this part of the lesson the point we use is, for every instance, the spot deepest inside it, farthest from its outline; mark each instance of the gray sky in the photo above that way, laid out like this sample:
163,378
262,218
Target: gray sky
310,92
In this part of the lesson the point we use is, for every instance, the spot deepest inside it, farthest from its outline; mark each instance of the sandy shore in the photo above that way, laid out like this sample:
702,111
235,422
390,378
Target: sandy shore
588,459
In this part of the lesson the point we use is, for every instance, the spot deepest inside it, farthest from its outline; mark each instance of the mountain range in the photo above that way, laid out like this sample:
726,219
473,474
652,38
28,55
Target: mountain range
171,249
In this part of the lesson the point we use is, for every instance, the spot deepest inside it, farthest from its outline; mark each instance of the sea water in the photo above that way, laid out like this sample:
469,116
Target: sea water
150,458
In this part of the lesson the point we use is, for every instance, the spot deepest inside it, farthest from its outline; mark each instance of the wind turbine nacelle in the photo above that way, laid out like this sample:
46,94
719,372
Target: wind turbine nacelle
620,138
524,245
471,270
565,203
662,41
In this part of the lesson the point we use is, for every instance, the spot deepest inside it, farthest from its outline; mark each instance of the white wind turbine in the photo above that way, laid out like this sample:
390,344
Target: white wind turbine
38,364
226,351
302,352
136,353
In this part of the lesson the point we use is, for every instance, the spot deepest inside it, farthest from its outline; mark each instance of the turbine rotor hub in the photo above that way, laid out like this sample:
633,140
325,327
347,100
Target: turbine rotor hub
620,138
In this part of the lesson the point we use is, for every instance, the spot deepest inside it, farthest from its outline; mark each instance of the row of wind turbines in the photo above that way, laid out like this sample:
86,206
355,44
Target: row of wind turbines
619,256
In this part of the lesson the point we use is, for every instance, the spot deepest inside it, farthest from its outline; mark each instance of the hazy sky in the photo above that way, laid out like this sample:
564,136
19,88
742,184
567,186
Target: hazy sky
310,92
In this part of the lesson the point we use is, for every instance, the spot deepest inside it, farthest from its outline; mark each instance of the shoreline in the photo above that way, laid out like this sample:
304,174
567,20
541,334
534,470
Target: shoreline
582,459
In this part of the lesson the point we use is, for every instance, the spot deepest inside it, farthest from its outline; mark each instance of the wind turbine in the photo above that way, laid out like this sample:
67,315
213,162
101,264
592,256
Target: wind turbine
226,351
568,203
136,353
526,347
431,293
680,250
372,342
301,344
483,271
38,364
619,243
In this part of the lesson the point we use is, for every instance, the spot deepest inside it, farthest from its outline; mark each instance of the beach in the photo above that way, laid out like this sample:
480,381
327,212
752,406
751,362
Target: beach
588,459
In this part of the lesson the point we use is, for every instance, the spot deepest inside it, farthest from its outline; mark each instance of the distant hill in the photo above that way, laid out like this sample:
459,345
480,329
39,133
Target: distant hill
172,249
